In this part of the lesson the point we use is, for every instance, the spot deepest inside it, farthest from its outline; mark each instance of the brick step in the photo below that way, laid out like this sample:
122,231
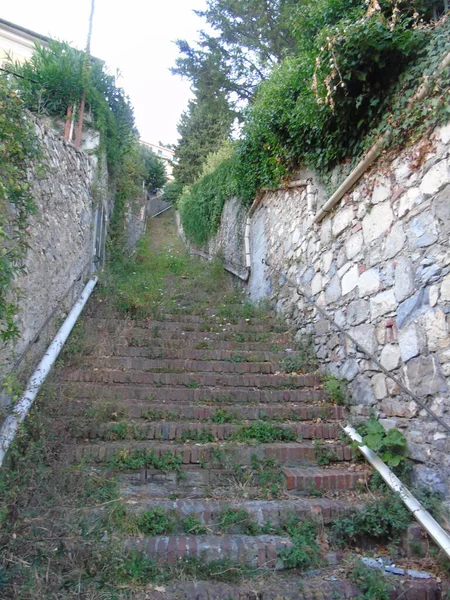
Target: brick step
197,482
336,479
201,325
166,395
193,354
261,551
213,316
327,584
170,430
150,412
287,453
259,512
141,335
194,380
181,366
202,344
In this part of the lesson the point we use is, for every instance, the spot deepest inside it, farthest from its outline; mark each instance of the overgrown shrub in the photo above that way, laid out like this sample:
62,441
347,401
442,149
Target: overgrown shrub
352,78
201,207
382,519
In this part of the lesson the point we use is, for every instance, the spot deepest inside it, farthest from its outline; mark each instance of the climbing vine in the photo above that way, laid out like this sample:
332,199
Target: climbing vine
19,148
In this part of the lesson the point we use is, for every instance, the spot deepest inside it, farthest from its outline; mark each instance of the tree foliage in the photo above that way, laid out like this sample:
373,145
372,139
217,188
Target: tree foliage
203,128
249,37
154,170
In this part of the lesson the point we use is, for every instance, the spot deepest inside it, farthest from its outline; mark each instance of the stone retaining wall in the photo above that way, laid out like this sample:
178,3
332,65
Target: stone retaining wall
380,265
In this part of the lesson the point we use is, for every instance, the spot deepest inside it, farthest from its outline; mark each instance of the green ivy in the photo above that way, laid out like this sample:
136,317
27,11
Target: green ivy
19,149
201,207
323,107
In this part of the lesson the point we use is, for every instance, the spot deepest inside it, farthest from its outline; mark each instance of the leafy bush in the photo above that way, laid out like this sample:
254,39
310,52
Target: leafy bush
263,432
390,445
381,519
172,191
305,550
371,582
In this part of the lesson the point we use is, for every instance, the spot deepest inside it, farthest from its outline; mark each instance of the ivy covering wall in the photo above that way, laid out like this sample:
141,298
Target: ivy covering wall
350,78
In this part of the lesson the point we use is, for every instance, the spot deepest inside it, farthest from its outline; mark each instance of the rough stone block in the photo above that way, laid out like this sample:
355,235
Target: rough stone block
395,241
413,307
382,303
436,329
350,369
379,386
377,222
445,288
390,357
350,280
422,231
362,393
430,478
381,192
357,312
399,408
333,290
409,344
327,259
404,279
341,220
354,245
441,207
316,284
365,335
436,178
408,201
369,282
424,376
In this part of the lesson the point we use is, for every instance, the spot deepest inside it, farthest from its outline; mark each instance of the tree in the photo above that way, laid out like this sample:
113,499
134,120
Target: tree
251,36
155,175
203,129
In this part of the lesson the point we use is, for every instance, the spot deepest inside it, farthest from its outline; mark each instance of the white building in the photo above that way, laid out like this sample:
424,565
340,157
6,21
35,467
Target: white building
17,43
166,154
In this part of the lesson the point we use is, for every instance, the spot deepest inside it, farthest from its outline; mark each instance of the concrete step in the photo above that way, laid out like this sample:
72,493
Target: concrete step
200,343
194,354
326,584
236,365
140,335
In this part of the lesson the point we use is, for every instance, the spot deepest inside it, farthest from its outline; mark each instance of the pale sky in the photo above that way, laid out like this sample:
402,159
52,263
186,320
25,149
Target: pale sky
135,37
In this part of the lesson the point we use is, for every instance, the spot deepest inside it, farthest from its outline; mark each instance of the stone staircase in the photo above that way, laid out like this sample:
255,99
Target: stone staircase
214,447
178,410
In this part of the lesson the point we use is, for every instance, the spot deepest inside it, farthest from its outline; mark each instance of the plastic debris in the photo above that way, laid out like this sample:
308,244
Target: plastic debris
385,565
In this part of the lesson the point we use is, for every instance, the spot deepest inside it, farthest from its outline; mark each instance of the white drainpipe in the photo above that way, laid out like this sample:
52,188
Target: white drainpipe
439,535
11,424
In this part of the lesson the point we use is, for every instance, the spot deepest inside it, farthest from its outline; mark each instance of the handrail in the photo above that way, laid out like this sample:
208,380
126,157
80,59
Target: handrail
12,422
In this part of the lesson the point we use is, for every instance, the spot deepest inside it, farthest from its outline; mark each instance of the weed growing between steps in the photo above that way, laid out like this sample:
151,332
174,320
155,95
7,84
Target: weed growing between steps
263,432
383,520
